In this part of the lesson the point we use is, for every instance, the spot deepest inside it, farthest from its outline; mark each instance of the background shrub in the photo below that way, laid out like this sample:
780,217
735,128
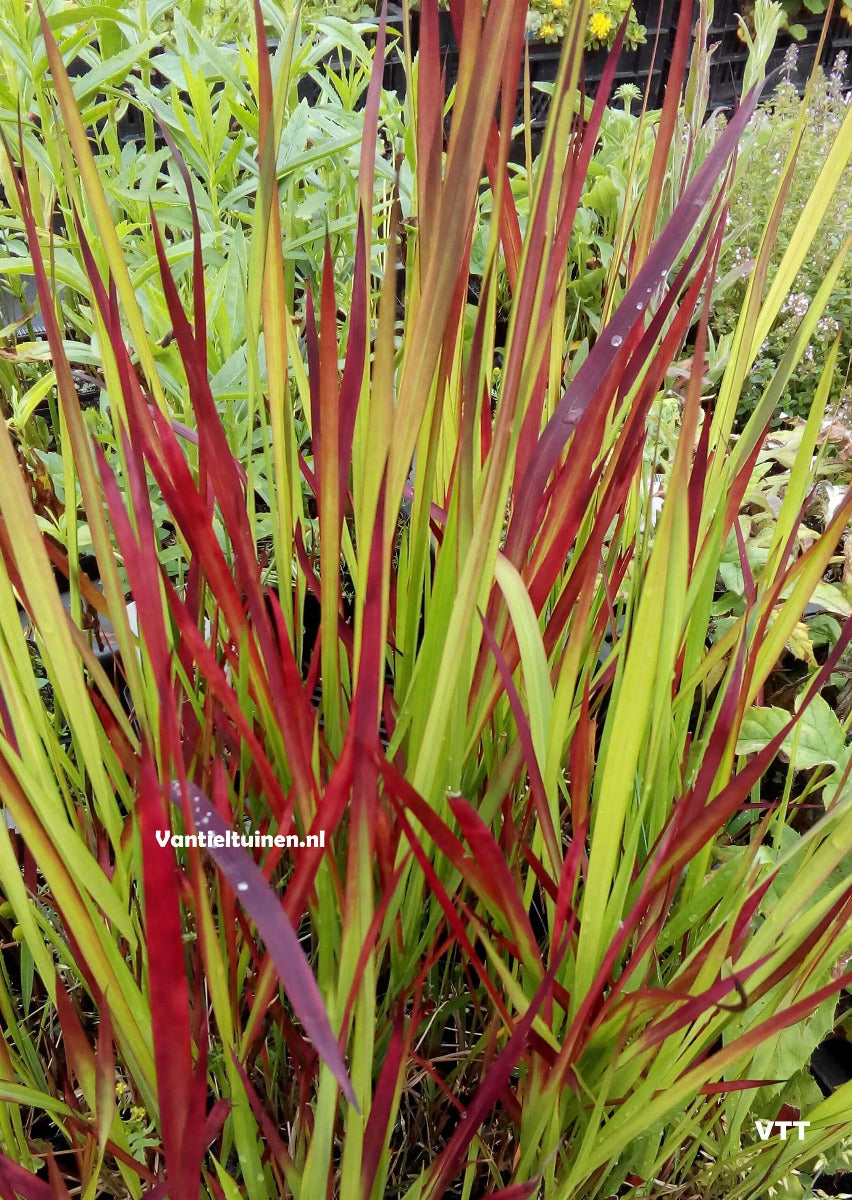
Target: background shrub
759,169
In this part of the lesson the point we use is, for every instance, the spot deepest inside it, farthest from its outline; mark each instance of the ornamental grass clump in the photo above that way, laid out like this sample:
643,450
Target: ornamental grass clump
537,948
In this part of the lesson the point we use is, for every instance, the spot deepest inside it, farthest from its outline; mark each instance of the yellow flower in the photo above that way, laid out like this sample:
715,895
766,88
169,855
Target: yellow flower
846,13
557,4
547,30
600,25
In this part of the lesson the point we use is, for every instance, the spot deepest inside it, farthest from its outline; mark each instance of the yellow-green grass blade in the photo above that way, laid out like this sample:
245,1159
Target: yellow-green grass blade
108,237
61,659
801,474
643,698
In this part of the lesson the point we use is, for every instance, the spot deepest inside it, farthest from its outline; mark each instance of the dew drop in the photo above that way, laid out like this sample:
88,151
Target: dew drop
639,306
617,339
242,887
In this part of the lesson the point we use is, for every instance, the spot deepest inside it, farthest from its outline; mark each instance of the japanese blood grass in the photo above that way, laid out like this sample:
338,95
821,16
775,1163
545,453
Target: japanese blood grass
532,957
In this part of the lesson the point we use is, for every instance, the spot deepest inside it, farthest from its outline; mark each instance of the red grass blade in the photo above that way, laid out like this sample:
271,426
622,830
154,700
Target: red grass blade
516,1191
491,1087
586,384
273,1138
382,1106
403,796
58,1186
665,133
367,168
494,876
17,1182
264,908
104,1075
167,967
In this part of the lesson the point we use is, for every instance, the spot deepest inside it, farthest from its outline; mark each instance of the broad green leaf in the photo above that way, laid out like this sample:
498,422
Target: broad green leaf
818,739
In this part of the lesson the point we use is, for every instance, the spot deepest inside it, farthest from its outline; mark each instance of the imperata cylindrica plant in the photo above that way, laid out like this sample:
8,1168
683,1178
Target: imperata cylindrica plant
542,948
